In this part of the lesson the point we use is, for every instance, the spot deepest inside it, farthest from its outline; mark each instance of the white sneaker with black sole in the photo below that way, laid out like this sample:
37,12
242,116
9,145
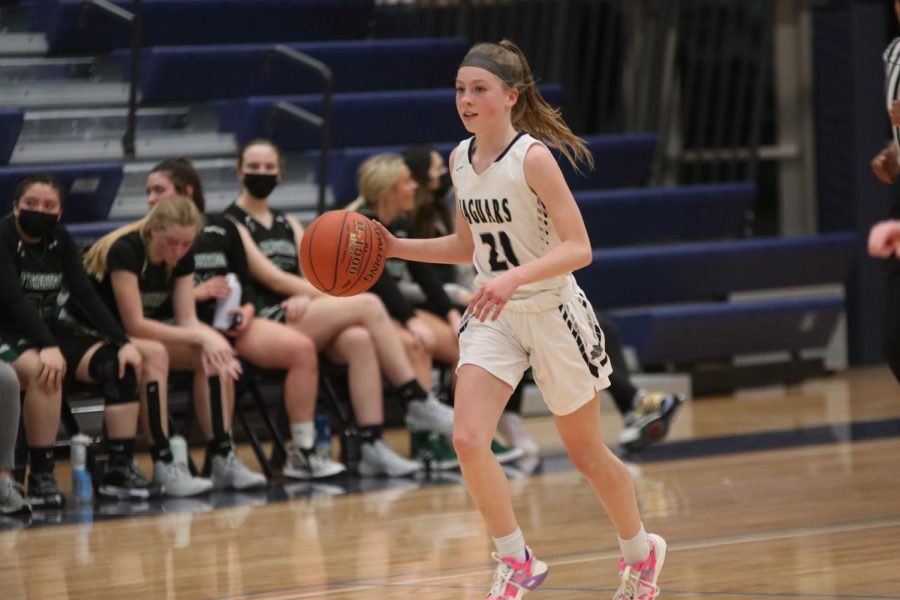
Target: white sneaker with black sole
311,464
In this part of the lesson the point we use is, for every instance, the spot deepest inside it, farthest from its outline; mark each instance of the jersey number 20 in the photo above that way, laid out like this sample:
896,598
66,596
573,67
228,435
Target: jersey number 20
494,257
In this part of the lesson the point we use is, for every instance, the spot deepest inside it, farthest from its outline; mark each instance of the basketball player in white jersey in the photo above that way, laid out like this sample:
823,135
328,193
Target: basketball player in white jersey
519,223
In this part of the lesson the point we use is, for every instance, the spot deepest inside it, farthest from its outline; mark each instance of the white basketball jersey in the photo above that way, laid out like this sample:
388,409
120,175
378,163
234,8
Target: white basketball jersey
510,225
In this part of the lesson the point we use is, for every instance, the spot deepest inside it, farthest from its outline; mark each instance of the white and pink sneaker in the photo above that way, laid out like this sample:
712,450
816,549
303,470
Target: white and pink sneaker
639,581
514,579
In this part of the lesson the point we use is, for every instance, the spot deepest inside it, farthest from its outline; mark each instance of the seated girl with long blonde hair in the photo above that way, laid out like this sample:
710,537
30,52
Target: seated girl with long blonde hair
146,275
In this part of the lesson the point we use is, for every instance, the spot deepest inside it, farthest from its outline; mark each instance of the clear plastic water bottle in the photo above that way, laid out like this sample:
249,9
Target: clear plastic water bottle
82,486
223,320
323,433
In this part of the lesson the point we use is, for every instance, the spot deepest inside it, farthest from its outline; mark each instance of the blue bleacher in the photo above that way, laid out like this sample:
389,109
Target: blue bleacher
712,270
172,22
89,188
671,301
359,119
345,161
657,214
180,73
685,334
11,120
621,160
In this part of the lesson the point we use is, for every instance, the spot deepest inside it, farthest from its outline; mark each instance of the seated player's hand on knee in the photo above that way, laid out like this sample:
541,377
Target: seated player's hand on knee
295,307
217,355
129,355
421,333
52,367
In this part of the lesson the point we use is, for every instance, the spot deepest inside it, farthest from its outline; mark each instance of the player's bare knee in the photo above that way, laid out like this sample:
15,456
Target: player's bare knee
155,358
590,462
356,341
469,443
303,352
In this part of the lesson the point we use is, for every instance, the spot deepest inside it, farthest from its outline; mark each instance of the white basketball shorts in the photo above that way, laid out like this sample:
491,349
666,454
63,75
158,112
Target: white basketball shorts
556,334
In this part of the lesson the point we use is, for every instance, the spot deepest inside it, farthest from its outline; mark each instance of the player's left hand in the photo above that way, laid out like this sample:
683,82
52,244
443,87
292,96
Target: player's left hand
492,297
295,307
884,239
129,355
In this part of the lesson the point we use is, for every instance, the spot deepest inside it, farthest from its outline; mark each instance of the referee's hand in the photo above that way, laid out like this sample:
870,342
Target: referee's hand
885,166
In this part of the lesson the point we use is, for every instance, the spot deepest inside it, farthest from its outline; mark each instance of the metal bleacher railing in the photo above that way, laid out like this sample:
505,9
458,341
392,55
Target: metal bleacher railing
134,19
322,123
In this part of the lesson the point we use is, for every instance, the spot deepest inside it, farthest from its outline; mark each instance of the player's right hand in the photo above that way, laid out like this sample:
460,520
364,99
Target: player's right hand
421,333
53,367
214,287
885,166
390,241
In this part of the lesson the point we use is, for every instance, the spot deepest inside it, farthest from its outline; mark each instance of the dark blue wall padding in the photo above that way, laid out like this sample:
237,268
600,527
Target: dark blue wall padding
11,120
171,22
656,214
712,270
620,160
360,119
234,71
851,127
681,334
89,188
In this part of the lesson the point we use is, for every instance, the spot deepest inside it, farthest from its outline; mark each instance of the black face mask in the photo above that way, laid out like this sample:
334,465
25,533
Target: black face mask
37,224
260,185
443,187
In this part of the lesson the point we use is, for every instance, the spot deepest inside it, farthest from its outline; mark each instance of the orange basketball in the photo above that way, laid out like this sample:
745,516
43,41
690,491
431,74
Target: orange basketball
342,253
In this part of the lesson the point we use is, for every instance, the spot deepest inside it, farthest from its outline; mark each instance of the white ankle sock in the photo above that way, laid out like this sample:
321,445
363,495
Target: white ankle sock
637,549
512,545
303,434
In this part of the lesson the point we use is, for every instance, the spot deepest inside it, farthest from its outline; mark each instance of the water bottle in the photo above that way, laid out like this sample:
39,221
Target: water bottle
178,447
323,433
223,320
82,487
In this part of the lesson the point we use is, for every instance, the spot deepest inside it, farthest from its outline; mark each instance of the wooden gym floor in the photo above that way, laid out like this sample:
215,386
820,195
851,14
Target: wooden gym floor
774,493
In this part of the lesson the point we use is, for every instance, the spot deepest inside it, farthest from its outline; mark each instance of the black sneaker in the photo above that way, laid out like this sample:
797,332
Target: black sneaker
649,422
43,491
122,480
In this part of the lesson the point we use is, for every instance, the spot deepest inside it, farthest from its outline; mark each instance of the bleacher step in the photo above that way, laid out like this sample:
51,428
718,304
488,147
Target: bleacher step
159,145
64,95
40,68
88,124
23,44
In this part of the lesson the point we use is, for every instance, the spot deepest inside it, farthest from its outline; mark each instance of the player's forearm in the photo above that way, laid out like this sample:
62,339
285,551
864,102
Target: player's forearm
564,258
448,249
288,284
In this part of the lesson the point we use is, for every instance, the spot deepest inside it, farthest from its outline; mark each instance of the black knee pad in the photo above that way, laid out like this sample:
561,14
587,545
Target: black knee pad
104,368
